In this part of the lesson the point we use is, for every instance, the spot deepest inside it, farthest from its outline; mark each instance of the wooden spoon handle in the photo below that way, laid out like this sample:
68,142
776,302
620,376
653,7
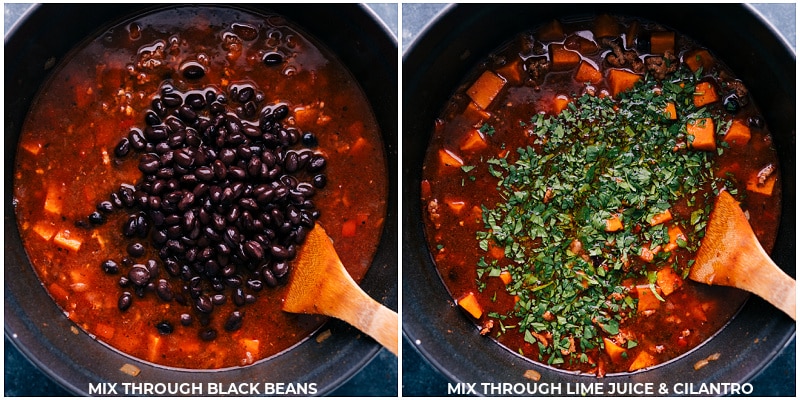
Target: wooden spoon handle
775,286
382,325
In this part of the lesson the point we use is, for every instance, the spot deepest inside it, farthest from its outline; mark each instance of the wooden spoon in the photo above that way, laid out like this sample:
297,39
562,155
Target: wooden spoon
319,284
730,255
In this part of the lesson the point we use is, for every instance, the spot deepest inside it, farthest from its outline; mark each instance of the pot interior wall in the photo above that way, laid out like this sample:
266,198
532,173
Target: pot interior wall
434,67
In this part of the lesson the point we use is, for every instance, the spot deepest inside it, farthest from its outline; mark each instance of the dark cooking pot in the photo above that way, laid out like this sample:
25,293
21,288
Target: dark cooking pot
434,67
38,328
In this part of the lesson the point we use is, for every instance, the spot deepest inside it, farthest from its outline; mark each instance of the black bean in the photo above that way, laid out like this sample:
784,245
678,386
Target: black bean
135,249
96,218
186,319
319,181
280,269
171,100
316,163
187,114
238,297
163,290
234,321
196,101
193,70
110,266
164,328
268,277
139,275
279,252
246,94
125,301
208,334
254,285
203,304
218,299
253,250
310,140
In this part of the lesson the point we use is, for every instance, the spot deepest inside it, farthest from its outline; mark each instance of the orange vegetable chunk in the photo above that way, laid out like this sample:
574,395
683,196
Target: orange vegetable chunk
349,228
588,73
642,360
704,94
456,205
738,134
475,115
661,218
661,42
668,281
505,276
67,240
675,232
670,111
766,188
448,159
562,59
620,80
696,59
702,134
613,350
473,141
512,72
647,299
560,102
614,224
470,304
485,89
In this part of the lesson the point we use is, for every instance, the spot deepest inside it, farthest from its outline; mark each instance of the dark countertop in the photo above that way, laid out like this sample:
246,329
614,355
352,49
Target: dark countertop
378,378
419,378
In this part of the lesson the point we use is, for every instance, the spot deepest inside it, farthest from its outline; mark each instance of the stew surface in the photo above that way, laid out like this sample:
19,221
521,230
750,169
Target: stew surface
567,186
168,171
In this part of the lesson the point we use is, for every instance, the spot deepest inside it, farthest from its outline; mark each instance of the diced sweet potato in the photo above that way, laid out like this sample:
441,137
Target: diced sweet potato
45,230
661,42
31,147
455,205
620,80
57,292
512,72
670,111
645,254
497,252
560,102
766,188
67,240
675,233
349,228
251,346
606,26
473,141
470,304
704,93
485,89
552,31
701,132
448,159
614,224
581,44
647,299
668,281
505,276
738,134
613,350
642,360
475,115
359,148
696,59
661,218
588,73
562,59
53,200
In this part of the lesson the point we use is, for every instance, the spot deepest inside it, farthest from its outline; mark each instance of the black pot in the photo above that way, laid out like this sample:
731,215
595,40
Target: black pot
38,328
433,68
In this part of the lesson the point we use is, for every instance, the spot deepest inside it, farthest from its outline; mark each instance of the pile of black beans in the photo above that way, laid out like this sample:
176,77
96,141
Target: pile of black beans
224,200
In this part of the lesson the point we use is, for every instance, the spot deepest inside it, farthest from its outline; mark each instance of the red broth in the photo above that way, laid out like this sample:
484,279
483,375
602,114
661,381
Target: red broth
67,165
545,197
